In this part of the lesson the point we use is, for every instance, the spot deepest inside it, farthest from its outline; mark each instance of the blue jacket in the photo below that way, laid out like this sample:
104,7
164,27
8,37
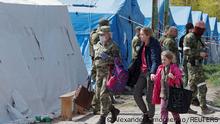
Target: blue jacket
153,58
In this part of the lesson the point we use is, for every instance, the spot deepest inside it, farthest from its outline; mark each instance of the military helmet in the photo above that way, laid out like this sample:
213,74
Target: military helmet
103,22
104,29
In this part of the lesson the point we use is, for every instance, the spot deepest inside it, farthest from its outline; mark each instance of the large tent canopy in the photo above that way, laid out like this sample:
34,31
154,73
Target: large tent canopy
124,16
205,18
218,24
146,9
214,47
214,28
181,16
196,16
40,60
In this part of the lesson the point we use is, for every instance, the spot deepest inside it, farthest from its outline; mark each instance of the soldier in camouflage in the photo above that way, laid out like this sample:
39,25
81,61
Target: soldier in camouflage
164,36
189,28
193,46
170,42
136,43
104,53
94,38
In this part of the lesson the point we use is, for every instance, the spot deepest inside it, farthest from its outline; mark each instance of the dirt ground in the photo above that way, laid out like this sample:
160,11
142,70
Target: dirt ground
130,113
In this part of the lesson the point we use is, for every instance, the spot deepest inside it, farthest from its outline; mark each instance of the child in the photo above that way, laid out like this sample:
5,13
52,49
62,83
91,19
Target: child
168,75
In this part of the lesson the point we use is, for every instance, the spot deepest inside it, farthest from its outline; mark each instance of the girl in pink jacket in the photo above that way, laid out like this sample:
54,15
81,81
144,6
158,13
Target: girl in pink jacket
168,75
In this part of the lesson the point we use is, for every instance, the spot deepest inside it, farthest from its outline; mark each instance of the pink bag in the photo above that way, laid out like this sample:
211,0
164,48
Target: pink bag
118,81
114,85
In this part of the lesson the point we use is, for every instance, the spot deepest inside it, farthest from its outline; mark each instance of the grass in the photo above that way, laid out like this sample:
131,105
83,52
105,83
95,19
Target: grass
212,74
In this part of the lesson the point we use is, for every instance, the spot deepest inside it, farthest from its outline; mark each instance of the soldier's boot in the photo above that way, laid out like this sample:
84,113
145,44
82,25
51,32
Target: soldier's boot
101,120
115,113
190,111
195,102
146,120
206,111
95,106
95,110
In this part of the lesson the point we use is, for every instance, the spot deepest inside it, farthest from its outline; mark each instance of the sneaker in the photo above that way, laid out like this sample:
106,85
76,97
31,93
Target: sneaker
206,111
190,111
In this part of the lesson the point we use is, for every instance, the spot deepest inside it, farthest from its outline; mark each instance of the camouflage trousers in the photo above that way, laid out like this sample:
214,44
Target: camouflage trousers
185,70
102,98
93,72
197,83
95,100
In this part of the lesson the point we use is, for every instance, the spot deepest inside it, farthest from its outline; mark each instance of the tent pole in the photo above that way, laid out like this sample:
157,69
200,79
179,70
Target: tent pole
155,18
166,12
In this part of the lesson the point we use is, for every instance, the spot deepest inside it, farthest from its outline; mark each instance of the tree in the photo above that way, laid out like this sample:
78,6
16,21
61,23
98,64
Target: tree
212,7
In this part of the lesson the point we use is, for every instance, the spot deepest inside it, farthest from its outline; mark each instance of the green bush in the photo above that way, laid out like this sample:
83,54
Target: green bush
212,73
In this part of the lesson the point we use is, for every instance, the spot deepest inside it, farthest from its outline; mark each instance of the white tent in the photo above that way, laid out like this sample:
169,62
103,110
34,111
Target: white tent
39,57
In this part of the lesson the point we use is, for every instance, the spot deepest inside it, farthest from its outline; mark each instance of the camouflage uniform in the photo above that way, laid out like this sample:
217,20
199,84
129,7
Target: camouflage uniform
162,38
170,44
185,71
94,38
103,67
136,45
192,48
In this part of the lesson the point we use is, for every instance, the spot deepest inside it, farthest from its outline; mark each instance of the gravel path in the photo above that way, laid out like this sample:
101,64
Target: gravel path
131,114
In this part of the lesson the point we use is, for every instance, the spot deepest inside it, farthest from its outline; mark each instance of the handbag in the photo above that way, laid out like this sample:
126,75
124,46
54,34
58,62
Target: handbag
117,82
179,100
120,72
84,95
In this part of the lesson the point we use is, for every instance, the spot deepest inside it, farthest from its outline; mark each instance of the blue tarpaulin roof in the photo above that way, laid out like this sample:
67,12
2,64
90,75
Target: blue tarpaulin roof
214,28
205,18
123,15
146,9
218,25
181,16
196,16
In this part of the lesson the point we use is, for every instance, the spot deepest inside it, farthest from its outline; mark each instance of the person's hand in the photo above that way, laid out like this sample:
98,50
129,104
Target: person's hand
152,77
203,54
104,56
170,75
